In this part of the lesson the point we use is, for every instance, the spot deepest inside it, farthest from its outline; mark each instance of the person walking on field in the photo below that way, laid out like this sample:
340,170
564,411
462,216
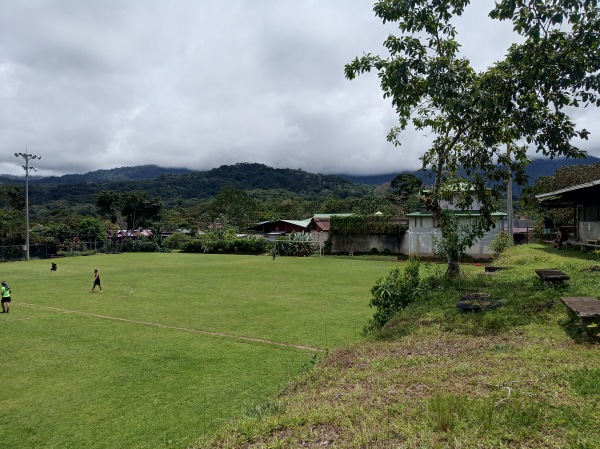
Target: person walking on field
5,292
96,281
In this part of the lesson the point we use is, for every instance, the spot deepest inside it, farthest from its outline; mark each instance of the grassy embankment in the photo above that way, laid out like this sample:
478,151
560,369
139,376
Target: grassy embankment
176,344
521,376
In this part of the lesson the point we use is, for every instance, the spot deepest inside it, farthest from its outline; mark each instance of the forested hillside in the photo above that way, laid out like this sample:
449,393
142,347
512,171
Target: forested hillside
80,189
233,197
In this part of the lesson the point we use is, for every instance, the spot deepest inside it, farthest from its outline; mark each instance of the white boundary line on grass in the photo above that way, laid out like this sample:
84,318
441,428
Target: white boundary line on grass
184,329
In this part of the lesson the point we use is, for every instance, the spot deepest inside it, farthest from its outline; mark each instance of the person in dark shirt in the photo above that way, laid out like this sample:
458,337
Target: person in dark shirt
96,281
561,237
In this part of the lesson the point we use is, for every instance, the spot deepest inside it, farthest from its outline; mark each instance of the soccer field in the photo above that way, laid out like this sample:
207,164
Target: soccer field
175,343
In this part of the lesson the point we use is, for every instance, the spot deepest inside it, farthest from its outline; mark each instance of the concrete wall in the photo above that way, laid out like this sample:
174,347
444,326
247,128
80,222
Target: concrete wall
319,237
420,237
417,241
365,243
589,230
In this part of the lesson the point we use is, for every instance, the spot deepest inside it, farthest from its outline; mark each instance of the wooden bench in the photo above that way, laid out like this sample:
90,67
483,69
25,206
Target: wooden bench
552,275
583,246
570,242
586,309
587,246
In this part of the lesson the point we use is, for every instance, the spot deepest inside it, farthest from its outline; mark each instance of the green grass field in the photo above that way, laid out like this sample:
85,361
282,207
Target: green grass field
174,346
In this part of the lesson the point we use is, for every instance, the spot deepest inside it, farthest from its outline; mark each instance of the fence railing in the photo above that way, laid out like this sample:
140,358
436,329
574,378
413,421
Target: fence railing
9,253
18,252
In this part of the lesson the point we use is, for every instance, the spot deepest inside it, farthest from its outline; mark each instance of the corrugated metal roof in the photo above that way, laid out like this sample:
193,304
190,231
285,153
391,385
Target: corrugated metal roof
303,223
556,193
331,215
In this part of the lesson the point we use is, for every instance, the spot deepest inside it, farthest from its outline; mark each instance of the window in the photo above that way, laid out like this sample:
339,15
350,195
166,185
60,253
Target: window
590,212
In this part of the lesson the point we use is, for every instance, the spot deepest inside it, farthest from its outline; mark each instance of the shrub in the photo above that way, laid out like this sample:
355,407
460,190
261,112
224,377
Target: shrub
74,253
297,244
394,292
501,242
251,245
145,246
177,240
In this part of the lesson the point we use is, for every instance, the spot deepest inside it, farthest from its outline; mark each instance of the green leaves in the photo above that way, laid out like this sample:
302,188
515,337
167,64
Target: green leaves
485,123
395,291
135,208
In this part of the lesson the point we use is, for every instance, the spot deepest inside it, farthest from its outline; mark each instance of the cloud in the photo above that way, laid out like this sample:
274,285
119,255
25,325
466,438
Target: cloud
111,83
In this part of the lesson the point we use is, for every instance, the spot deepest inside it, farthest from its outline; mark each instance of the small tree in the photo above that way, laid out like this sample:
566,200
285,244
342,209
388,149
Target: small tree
453,244
501,242
394,292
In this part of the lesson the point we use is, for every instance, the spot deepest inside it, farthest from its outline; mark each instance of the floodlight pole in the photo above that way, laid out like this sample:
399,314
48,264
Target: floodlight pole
27,169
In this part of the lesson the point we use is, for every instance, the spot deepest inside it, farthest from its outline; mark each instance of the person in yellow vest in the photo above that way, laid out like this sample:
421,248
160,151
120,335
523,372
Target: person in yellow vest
5,292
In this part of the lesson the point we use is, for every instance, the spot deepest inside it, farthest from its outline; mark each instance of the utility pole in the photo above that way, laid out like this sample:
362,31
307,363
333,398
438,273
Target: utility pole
27,169
509,200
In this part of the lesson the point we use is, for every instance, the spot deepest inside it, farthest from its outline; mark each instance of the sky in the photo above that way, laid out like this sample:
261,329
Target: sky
197,84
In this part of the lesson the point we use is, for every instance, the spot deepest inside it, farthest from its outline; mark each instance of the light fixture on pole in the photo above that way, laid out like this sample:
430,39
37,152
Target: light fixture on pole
27,169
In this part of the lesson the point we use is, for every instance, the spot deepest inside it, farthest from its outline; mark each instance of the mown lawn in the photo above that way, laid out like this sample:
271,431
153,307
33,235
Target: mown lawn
175,346
520,376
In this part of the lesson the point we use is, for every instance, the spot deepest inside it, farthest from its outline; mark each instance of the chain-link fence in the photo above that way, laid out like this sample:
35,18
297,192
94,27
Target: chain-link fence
18,252
9,253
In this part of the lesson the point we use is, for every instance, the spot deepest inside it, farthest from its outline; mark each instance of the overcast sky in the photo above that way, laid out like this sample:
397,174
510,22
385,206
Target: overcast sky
101,84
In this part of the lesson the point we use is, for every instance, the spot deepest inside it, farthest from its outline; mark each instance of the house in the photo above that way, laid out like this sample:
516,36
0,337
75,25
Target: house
319,226
271,230
522,229
422,232
584,200
123,234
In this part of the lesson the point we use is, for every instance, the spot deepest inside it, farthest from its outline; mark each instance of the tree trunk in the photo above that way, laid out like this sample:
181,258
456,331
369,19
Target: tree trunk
453,269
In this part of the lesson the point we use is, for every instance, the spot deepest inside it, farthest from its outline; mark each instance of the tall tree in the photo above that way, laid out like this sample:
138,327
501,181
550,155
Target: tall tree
484,123
140,210
108,204
91,229
239,208
11,197
404,190
12,216
134,208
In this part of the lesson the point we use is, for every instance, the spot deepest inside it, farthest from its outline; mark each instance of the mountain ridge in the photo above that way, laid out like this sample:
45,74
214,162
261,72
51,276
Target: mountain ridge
173,184
538,167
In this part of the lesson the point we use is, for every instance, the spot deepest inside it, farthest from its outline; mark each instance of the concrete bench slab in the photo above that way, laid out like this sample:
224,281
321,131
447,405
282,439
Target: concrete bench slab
587,310
552,275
